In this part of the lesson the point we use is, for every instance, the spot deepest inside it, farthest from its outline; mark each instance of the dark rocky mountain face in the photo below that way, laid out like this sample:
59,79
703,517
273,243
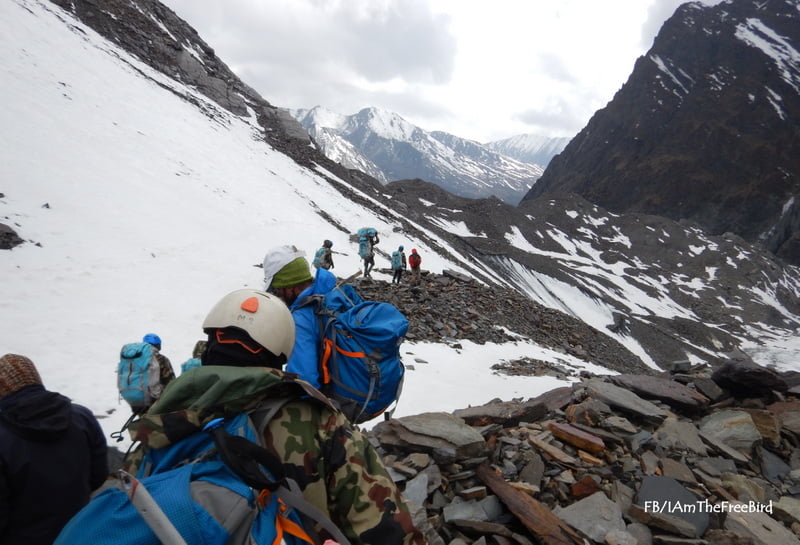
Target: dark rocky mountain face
705,129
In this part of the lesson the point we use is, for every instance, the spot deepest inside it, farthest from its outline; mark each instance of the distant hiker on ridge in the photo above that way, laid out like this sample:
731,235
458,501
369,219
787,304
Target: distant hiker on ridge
415,261
167,372
367,239
323,259
398,264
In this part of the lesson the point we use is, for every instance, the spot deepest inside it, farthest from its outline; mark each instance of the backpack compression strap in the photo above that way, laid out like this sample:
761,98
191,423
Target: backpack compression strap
245,458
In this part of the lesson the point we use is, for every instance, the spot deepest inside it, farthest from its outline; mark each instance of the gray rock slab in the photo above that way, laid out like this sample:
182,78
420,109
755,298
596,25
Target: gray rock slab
621,399
674,394
764,529
595,516
674,434
443,435
734,428
661,494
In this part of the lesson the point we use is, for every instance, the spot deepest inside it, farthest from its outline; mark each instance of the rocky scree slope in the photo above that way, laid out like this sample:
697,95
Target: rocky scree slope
677,290
690,457
450,307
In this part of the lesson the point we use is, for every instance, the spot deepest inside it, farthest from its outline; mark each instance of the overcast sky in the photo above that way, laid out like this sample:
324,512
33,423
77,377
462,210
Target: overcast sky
479,70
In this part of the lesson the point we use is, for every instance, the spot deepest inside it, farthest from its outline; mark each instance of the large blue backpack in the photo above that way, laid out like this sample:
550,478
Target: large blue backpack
397,259
217,486
139,375
360,364
366,237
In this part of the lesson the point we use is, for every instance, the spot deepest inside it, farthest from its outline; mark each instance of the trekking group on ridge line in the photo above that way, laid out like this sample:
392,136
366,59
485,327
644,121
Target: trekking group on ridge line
272,365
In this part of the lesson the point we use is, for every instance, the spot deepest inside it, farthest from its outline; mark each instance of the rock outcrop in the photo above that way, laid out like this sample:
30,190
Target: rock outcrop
704,130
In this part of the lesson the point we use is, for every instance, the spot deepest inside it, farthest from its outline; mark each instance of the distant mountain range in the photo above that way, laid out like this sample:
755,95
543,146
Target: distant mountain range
388,148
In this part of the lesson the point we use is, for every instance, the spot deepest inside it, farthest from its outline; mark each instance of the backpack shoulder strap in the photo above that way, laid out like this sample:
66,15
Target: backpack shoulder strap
244,457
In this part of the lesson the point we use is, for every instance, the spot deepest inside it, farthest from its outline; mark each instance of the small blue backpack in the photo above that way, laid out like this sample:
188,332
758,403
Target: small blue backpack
397,260
139,375
360,364
318,257
190,364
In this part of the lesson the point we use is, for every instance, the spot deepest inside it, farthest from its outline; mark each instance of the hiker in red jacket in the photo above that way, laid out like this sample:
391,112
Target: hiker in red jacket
415,261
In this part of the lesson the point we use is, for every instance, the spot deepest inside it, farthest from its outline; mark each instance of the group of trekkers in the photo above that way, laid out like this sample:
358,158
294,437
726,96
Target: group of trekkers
265,342
367,240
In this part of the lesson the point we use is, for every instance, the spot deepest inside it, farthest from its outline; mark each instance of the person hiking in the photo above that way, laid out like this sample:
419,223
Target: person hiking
398,264
324,256
415,261
52,456
167,373
337,469
367,239
292,282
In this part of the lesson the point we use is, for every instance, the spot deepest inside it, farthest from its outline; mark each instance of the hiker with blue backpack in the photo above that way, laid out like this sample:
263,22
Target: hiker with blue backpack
292,282
367,239
143,372
323,258
398,264
53,454
346,347
238,452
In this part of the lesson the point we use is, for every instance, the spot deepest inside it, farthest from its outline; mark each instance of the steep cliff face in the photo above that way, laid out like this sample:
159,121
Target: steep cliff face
705,129
152,32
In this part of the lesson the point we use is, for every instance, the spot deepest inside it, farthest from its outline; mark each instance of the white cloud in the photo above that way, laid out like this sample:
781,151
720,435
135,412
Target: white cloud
480,70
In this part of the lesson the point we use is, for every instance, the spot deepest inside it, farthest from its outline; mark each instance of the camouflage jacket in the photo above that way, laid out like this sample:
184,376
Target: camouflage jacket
334,464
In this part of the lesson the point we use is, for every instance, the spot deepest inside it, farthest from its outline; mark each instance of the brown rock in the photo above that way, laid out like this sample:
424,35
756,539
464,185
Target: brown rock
577,438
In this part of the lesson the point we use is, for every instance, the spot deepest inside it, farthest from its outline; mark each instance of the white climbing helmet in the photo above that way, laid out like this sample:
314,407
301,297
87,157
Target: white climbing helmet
263,316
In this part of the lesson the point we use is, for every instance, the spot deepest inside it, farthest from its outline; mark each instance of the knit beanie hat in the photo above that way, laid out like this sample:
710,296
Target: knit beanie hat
17,372
293,273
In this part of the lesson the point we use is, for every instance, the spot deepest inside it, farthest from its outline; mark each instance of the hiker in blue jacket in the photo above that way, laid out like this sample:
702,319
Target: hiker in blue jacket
293,282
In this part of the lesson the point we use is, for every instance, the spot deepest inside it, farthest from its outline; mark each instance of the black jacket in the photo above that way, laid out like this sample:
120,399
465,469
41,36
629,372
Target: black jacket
52,456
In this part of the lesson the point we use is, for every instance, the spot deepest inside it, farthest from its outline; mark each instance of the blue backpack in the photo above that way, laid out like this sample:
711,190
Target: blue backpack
366,237
360,364
318,257
203,489
139,375
190,364
397,260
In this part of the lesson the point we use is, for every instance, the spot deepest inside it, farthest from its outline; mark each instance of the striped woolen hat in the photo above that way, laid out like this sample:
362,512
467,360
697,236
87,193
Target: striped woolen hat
16,372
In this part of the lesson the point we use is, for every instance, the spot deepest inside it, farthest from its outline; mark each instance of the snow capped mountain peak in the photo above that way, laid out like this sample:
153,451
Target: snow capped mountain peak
385,124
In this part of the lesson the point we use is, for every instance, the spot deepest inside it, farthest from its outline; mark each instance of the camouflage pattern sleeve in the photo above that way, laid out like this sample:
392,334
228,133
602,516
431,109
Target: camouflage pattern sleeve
167,373
341,474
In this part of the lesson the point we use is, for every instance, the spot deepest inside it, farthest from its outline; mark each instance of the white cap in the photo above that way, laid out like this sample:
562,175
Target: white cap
278,258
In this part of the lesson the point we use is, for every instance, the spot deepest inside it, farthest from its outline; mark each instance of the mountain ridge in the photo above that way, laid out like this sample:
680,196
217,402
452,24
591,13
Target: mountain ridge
388,147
